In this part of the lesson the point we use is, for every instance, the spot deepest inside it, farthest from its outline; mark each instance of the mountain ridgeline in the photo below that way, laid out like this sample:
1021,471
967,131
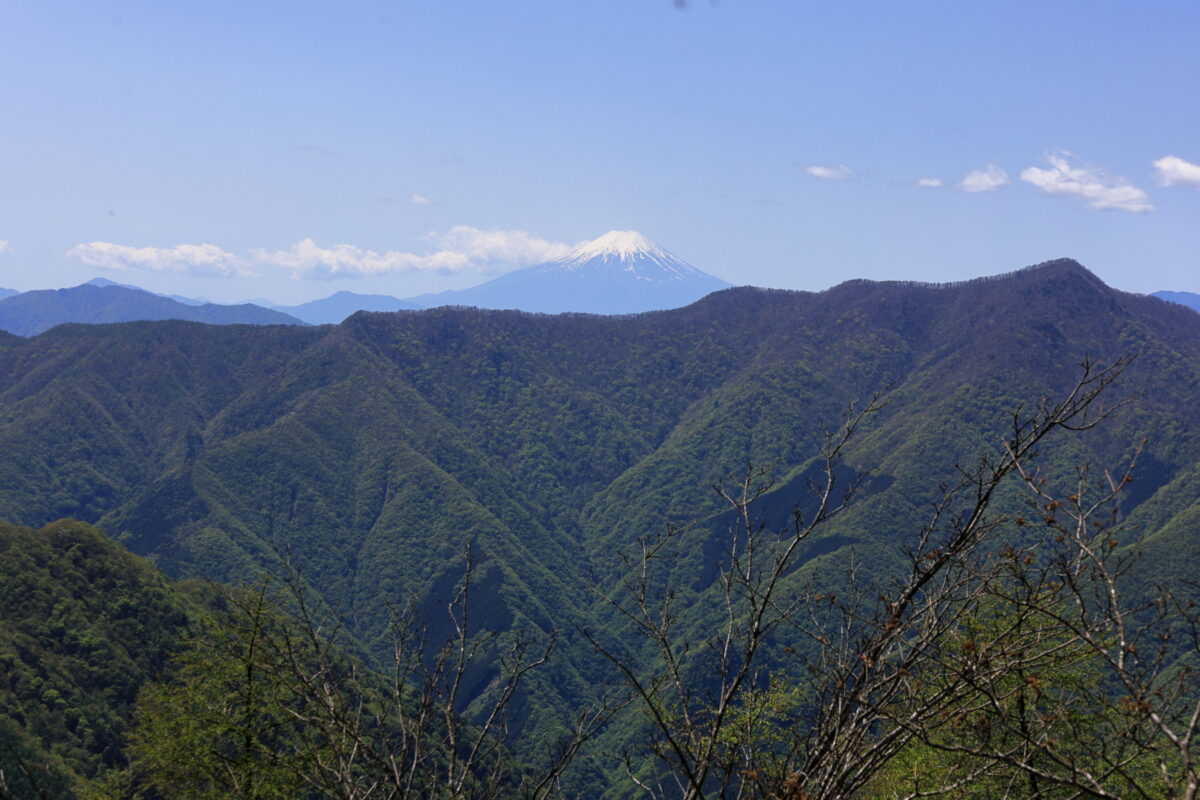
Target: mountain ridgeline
1189,299
621,272
373,452
339,305
30,313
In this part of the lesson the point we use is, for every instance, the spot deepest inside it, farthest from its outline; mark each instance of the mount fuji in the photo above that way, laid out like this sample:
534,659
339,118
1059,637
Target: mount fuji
622,272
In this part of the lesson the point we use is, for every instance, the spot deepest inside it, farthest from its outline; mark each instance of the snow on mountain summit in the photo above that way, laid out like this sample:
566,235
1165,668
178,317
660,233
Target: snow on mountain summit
625,244
626,247
622,272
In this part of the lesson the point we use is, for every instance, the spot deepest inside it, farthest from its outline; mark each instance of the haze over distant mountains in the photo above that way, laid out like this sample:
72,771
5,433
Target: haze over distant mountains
622,272
338,306
187,301
30,313
1189,299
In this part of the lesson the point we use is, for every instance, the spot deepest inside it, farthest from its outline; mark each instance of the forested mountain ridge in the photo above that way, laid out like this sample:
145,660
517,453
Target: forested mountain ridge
374,450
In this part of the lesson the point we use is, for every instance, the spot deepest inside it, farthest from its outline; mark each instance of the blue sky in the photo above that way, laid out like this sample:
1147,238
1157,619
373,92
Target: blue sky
288,150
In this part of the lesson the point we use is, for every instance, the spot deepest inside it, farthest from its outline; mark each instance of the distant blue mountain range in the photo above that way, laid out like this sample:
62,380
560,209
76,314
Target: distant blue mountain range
622,272
337,307
30,313
178,298
1189,299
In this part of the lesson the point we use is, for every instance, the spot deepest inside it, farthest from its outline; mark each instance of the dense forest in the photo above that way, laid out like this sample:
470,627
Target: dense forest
751,547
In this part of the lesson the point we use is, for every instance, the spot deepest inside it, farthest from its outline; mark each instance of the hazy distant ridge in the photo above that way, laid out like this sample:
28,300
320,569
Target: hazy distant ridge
338,306
31,313
1189,299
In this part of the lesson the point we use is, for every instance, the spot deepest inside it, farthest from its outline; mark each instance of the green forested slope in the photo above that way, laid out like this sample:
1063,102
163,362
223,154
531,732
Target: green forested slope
372,452
83,624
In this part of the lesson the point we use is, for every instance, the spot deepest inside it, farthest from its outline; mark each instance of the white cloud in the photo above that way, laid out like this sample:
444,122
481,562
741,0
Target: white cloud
492,249
461,249
419,200
307,259
1086,183
931,183
984,180
4,248
190,259
839,173
1174,171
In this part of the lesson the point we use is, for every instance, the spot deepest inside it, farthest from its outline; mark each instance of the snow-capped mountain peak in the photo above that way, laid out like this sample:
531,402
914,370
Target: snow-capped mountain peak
627,247
622,272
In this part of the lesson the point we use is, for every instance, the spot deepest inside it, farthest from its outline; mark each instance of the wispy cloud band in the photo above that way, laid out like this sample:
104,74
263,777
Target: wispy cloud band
190,259
1088,184
461,249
